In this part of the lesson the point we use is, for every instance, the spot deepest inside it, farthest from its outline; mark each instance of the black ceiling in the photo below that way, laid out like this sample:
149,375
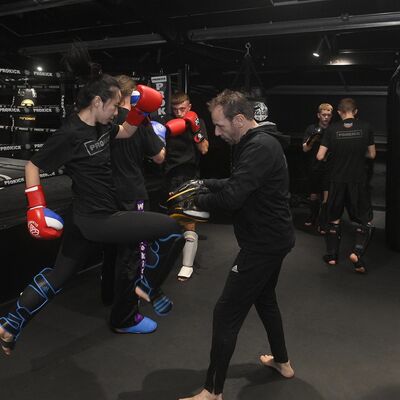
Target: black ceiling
359,39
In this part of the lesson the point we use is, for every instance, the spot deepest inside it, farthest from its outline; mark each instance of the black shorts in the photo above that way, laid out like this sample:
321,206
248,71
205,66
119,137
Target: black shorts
179,175
355,197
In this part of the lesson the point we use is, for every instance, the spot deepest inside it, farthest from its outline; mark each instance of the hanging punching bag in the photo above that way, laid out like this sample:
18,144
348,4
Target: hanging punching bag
27,99
393,163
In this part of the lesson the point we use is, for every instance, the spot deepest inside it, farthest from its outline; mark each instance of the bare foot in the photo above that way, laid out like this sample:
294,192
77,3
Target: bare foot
329,259
6,337
204,395
358,265
142,294
284,369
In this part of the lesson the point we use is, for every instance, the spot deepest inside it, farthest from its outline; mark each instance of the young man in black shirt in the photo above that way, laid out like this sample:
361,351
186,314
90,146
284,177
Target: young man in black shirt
350,143
318,171
257,194
182,164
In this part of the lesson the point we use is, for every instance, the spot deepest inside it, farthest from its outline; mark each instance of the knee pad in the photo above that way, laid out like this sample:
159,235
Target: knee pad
190,248
34,297
332,238
363,235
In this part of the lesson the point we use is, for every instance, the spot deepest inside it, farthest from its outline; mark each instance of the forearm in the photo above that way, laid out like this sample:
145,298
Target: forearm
126,131
203,147
215,185
32,174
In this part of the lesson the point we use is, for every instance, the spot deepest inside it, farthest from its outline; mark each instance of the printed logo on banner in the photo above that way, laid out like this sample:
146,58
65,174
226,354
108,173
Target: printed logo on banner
160,83
4,178
260,111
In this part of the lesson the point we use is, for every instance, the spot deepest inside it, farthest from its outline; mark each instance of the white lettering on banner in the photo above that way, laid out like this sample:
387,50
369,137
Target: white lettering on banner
8,148
9,71
38,73
46,175
4,177
13,181
45,110
10,109
160,88
157,79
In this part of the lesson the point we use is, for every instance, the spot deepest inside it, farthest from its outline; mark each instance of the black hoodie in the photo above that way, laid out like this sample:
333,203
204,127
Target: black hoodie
257,193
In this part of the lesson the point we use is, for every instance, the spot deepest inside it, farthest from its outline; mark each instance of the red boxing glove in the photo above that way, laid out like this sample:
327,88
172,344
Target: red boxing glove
42,222
176,126
144,100
135,116
194,122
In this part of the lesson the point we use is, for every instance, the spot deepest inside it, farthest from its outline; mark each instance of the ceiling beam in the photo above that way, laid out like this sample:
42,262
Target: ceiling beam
342,23
19,7
109,43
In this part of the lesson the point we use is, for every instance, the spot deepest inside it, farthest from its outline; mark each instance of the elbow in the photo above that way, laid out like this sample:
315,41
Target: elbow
160,157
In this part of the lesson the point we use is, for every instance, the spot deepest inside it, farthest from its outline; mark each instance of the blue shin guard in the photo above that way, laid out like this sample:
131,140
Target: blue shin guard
143,325
38,293
159,260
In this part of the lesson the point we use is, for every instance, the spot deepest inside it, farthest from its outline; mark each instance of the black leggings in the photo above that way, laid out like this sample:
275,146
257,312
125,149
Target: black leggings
80,235
252,281
119,268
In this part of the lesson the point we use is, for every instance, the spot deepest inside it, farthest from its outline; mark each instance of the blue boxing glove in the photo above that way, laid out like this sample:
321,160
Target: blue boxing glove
160,130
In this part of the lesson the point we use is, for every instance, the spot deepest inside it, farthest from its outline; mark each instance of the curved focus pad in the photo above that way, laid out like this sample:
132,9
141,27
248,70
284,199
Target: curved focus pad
181,202
315,136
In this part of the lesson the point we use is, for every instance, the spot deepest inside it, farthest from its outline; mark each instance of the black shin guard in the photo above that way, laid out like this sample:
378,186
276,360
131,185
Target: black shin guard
332,239
314,211
362,239
322,221
33,298
160,258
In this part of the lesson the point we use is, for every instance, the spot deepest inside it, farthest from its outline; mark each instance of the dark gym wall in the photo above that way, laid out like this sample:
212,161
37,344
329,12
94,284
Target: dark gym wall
294,112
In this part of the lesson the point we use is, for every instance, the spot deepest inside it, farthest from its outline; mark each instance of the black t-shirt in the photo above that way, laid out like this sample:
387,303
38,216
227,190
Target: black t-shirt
313,163
182,150
348,142
127,156
258,194
85,152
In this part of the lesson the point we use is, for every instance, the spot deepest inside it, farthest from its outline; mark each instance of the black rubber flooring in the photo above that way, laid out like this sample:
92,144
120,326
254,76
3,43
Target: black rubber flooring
342,334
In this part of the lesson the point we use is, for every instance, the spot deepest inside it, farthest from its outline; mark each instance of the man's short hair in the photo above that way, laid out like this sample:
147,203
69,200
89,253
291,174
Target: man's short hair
126,83
347,105
179,97
233,103
325,106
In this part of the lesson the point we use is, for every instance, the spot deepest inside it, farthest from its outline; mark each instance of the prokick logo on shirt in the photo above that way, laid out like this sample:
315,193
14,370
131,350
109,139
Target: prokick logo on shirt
349,134
96,146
